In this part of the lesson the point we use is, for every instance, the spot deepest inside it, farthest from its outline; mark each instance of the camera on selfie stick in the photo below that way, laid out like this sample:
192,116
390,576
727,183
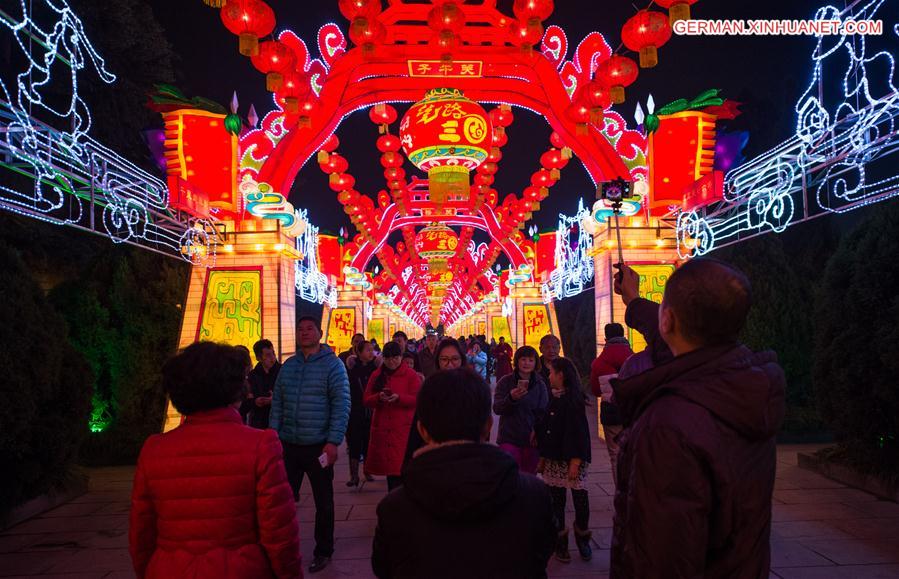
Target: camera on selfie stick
615,192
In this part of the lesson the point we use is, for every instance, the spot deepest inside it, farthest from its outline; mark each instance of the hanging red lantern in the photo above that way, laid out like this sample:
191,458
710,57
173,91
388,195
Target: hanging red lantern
340,181
382,115
274,60
446,135
331,143
355,8
542,178
527,10
367,32
436,243
677,9
388,143
446,16
494,156
484,179
249,19
617,73
596,95
446,42
383,199
391,159
335,164
500,139
556,140
578,113
501,116
645,32
488,169
394,173
294,88
526,34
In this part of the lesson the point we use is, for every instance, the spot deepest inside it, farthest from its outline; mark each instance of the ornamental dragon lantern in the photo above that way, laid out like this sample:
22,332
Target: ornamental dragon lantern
446,135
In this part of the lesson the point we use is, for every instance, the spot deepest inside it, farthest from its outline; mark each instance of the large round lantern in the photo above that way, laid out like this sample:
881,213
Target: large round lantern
448,136
645,32
249,19
436,244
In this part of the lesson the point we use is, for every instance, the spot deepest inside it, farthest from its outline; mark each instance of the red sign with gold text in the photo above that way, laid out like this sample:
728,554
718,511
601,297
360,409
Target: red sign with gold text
437,68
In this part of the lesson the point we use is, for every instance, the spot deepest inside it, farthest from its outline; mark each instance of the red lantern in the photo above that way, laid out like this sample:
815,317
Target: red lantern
446,135
355,8
249,19
382,114
527,10
579,113
501,116
556,140
446,16
294,88
483,179
367,32
499,137
677,9
388,143
274,60
488,169
436,243
394,174
542,178
341,181
331,143
335,164
597,98
526,34
645,32
495,155
617,73
391,159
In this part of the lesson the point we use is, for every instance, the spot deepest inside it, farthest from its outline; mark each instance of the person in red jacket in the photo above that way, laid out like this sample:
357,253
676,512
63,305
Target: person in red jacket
697,462
211,497
391,393
605,367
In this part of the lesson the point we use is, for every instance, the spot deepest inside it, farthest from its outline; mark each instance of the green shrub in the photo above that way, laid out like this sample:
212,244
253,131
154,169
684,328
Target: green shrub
45,391
856,360
780,320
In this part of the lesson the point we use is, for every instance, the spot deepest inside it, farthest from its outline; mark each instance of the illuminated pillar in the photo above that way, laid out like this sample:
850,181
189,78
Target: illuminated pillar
344,320
531,318
249,293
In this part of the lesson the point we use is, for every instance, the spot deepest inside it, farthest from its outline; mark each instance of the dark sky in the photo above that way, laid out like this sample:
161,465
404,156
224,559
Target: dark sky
766,73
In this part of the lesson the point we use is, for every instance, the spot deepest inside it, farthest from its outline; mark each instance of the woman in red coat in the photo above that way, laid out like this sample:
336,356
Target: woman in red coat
211,497
391,393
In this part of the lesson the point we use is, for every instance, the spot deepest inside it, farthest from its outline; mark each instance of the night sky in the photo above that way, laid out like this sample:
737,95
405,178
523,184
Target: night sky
767,74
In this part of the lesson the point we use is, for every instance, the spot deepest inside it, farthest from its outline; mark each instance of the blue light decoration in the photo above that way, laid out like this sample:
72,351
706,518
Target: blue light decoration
76,181
312,285
842,155
574,265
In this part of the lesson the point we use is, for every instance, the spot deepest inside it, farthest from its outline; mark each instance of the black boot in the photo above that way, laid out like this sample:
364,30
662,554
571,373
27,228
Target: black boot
354,473
562,553
582,540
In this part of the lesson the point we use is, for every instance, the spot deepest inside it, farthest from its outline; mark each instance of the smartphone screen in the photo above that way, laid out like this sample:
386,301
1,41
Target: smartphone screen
524,384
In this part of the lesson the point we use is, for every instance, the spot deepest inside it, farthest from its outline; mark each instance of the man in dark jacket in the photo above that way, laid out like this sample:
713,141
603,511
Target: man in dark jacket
262,383
427,356
696,469
464,510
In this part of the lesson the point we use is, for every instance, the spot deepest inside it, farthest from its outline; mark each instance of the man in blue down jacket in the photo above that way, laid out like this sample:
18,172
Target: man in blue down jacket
310,411
696,468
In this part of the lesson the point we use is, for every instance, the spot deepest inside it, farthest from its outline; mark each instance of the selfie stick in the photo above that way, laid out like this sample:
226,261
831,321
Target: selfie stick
616,211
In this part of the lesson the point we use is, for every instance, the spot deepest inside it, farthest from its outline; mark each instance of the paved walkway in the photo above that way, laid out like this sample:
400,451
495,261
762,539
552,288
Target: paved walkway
821,529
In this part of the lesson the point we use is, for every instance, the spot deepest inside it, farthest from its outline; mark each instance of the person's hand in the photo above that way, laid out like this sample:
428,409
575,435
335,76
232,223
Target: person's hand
518,393
383,397
393,398
331,451
261,401
627,283
573,470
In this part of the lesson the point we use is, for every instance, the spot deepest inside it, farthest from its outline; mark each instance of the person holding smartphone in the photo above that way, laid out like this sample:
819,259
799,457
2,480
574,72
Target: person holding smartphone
391,394
520,400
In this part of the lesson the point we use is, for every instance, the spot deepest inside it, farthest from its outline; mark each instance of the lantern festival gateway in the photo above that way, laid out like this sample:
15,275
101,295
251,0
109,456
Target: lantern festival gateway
448,136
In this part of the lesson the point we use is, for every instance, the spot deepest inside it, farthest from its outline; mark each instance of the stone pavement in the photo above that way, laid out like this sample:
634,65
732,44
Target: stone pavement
821,529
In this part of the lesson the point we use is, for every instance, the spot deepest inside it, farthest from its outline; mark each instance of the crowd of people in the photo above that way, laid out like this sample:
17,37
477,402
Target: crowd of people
689,425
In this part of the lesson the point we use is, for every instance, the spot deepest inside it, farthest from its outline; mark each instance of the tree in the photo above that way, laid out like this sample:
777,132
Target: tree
780,320
857,338
45,391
